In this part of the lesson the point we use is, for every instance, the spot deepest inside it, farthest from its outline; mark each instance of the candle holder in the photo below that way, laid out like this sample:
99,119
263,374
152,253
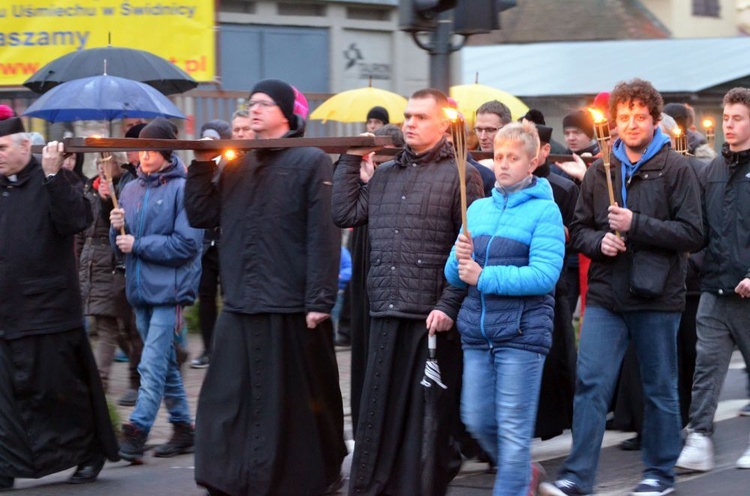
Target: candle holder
708,125
680,141
603,138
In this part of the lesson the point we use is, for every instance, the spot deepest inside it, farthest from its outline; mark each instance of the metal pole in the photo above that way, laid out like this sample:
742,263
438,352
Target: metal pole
440,53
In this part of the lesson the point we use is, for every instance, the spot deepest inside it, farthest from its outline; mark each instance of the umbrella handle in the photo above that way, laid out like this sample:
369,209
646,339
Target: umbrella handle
432,345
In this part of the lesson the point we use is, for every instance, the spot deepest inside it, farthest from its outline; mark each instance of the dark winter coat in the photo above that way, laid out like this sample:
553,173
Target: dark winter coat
726,200
102,285
164,266
413,209
38,276
665,199
279,250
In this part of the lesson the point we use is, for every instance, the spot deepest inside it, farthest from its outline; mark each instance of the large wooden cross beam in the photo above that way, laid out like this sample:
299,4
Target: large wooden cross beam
328,145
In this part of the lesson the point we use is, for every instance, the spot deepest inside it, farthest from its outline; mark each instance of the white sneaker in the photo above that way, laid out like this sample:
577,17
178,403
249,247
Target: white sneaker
697,454
744,460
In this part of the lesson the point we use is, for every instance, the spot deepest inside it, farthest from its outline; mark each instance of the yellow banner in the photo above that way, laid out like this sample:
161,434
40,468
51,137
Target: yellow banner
35,32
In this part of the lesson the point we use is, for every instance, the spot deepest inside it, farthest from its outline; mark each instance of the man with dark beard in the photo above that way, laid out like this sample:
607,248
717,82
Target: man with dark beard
270,415
53,414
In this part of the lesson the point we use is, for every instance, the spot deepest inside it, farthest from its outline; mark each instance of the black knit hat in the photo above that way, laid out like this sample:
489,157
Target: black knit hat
216,129
679,113
378,113
537,117
160,128
135,131
281,93
581,120
10,123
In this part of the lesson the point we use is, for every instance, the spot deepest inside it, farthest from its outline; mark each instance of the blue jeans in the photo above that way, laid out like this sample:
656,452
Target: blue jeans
604,339
499,398
160,376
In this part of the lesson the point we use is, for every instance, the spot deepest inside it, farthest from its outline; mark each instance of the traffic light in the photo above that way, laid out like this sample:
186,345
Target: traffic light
421,15
479,16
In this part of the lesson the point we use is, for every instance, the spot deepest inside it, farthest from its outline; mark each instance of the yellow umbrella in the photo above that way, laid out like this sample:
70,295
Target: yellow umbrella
353,105
470,97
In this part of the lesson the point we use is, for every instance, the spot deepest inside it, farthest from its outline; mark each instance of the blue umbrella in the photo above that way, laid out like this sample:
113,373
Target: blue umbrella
102,98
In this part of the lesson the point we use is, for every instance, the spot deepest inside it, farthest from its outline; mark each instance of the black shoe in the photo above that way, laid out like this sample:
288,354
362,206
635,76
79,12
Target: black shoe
335,486
132,444
632,444
183,441
200,363
6,483
129,398
87,472
342,342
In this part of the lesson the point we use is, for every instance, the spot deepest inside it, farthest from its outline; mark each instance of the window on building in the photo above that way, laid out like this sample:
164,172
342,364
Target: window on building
368,14
301,9
706,8
239,6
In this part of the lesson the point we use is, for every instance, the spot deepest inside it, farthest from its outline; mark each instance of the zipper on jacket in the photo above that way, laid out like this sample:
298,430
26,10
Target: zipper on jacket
486,258
140,233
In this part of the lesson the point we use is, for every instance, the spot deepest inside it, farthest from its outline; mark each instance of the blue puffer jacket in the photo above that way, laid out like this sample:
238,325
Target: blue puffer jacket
519,241
164,267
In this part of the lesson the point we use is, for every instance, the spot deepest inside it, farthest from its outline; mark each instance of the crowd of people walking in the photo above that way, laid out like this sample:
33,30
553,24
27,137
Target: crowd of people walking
477,270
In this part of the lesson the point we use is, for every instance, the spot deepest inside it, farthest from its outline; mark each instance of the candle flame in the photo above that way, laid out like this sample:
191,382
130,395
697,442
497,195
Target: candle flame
677,132
708,123
451,113
95,136
230,154
597,115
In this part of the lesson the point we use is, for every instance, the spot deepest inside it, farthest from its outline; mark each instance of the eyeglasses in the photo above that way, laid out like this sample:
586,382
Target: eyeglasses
488,130
260,103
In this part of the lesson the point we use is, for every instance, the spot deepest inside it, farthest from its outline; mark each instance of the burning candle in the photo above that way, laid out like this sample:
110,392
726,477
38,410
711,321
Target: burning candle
458,138
708,124
680,141
603,136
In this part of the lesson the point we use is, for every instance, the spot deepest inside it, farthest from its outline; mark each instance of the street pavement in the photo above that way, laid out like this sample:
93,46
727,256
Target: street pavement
619,471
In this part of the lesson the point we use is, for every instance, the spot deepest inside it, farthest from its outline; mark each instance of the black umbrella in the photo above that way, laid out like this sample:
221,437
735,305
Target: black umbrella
437,469
127,63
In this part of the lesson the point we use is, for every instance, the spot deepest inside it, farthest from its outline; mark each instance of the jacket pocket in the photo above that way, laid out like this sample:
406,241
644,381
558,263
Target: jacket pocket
649,273
44,294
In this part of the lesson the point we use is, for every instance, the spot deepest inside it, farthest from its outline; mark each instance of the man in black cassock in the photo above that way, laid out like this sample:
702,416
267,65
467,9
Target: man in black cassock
53,413
270,415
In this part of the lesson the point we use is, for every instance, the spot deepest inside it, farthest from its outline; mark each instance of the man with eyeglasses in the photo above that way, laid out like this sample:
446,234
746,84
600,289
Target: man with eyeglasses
491,116
270,415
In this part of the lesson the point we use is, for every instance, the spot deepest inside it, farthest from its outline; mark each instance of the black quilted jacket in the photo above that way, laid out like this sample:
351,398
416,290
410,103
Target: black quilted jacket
413,209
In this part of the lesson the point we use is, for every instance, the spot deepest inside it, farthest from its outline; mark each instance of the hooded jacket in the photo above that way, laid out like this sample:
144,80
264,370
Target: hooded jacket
38,276
519,241
663,194
164,266
726,199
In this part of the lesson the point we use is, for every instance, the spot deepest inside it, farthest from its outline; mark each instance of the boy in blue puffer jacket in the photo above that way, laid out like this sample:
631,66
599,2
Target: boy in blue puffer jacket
162,269
511,264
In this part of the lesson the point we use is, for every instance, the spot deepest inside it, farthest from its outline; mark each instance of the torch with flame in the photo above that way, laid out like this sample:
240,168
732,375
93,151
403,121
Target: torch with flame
603,137
680,141
708,125
458,136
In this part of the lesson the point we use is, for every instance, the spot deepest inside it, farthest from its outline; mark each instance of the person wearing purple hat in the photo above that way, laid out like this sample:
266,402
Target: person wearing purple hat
53,413
270,413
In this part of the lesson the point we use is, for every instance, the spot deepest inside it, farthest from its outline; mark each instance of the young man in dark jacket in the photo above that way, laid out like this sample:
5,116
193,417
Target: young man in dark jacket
270,414
412,207
53,413
638,249
723,318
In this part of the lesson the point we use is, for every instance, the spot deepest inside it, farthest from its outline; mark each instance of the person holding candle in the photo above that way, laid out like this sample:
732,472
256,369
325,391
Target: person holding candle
636,289
510,269
723,319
